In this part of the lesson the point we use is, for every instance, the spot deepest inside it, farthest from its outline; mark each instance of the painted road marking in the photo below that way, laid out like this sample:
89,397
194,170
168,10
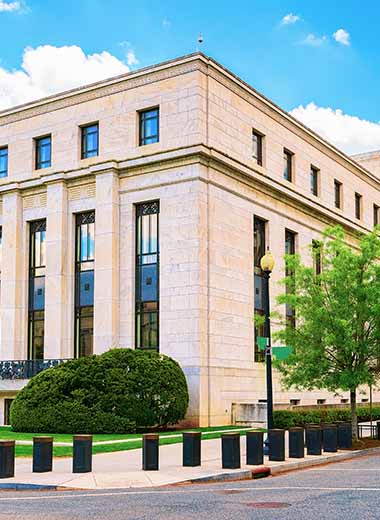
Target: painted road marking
71,495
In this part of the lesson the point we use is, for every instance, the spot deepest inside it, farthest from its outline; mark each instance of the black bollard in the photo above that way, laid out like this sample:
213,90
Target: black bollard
42,454
313,440
276,438
82,454
378,430
344,435
150,451
191,449
296,443
330,438
255,445
7,459
230,450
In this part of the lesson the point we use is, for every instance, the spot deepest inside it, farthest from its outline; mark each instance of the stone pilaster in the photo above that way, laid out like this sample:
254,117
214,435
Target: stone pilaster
56,344
13,280
106,297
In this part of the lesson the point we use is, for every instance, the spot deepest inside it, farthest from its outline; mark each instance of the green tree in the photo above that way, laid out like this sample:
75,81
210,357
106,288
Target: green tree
336,338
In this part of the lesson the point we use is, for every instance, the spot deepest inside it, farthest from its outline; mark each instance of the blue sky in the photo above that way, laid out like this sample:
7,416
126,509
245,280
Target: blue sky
294,61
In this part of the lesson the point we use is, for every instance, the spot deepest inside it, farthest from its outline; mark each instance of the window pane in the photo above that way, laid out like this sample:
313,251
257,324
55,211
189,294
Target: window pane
83,242
86,331
86,288
39,293
149,126
3,162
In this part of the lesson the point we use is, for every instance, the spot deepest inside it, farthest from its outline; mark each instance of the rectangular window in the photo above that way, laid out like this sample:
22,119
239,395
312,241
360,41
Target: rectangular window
147,275
84,283
4,161
259,246
317,262
149,126
257,148
7,411
43,152
90,141
338,194
375,215
290,249
36,304
358,206
314,180
288,165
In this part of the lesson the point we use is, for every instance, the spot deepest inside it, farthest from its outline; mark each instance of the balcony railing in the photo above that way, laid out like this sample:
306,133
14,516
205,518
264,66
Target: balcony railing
26,368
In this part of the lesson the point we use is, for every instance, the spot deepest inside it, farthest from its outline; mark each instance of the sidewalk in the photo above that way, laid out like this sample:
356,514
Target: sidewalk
123,469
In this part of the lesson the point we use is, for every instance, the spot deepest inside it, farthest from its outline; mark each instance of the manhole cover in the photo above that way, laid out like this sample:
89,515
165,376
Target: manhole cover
267,505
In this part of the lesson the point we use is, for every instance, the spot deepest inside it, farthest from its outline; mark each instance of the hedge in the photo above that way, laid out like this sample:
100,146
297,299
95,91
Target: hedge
116,392
288,418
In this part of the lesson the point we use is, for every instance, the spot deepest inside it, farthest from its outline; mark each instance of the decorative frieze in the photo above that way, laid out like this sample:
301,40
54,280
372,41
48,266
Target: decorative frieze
36,200
84,191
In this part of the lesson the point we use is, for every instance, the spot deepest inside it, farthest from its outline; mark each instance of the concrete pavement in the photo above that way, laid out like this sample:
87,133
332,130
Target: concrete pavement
339,491
123,469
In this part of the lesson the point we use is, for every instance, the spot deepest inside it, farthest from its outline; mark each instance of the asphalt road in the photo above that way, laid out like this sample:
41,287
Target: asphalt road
347,490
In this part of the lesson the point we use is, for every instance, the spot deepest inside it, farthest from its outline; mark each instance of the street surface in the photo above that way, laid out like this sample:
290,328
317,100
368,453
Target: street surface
347,490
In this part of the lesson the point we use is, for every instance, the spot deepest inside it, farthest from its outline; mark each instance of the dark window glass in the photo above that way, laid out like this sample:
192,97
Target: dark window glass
84,283
149,126
43,152
288,166
90,141
257,148
358,206
258,253
36,315
290,249
338,194
147,275
316,248
375,215
314,174
3,162
7,411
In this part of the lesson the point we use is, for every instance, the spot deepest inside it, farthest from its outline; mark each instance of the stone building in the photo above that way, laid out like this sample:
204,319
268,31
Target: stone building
134,212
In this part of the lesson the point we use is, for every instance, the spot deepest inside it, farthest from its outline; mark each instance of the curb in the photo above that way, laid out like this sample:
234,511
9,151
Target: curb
266,471
28,487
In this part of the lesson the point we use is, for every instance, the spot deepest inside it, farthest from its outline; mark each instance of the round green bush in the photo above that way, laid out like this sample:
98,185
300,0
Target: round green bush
115,392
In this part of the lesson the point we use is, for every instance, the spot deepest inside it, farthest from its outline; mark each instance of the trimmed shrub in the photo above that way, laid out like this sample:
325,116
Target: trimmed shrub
115,392
288,418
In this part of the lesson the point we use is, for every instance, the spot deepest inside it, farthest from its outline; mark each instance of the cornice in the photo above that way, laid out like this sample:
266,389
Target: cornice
97,90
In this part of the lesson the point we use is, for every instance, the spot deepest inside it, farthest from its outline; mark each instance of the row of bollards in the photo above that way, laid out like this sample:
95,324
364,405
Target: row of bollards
329,437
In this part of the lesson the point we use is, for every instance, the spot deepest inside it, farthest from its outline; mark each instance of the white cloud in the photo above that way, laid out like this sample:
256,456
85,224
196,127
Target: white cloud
313,40
342,36
131,58
290,19
348,133
47,69
166,22
8,7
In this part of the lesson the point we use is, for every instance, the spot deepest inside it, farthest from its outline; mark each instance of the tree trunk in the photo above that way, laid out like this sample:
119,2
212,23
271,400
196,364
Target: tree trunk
354,416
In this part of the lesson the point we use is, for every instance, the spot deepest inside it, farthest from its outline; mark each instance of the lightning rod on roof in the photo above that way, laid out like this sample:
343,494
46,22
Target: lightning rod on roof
200,41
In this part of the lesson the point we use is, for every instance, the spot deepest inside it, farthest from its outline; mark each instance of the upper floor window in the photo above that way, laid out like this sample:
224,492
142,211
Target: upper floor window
376,219
4,161
149,126
90,141
358,206
43,152
314,180
338,194
257,148
317,256
288,165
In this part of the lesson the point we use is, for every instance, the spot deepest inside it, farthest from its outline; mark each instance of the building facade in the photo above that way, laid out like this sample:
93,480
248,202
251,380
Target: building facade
134,213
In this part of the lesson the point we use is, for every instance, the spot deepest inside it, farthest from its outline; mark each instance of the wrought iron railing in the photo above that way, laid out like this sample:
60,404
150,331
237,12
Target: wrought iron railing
26,368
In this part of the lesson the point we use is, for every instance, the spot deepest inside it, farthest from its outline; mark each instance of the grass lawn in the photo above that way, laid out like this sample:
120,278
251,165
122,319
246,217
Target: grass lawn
134,440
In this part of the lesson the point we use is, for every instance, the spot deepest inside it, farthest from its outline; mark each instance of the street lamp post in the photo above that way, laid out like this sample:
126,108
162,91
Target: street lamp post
267,265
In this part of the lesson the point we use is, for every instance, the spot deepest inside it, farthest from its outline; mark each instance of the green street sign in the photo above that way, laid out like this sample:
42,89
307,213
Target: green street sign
280,352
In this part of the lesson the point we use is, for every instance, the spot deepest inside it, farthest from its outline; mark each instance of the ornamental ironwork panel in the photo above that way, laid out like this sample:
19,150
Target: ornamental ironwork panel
86,218
148,208
26,368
